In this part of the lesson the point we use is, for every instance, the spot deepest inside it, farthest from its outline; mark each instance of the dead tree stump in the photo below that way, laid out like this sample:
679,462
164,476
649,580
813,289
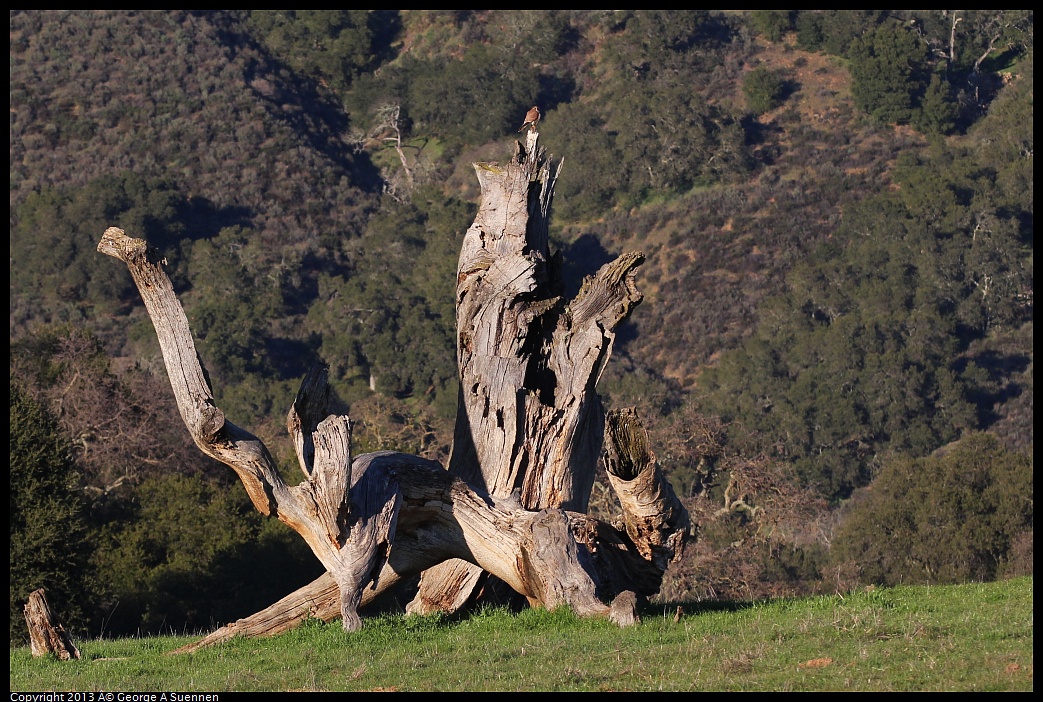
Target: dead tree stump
46,635
510,508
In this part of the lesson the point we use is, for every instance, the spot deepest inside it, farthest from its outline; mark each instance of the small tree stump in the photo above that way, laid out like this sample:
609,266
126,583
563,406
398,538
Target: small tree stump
45,634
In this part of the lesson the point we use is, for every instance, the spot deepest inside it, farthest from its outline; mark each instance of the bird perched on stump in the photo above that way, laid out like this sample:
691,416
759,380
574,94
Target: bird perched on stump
531,118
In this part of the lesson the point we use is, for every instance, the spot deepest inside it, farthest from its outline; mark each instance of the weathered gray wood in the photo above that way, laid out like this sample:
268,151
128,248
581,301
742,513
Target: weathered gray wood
529,420
47,636
402,513
654,519
530,429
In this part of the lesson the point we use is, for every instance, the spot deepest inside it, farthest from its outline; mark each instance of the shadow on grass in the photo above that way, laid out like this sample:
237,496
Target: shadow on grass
691,609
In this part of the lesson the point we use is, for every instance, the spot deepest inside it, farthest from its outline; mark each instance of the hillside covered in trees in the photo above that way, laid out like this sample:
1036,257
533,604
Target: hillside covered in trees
834,352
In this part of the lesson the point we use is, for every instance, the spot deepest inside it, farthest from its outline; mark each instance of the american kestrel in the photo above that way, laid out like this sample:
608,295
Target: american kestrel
531,118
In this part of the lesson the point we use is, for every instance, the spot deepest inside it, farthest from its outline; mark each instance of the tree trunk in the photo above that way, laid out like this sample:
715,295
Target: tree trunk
46,635
530,429
529,421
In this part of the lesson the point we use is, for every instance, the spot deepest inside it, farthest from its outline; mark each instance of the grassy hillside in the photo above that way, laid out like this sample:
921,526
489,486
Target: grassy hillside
966,638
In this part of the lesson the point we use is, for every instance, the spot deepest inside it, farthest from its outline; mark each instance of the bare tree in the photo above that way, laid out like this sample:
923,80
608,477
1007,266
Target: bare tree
387,129
511,505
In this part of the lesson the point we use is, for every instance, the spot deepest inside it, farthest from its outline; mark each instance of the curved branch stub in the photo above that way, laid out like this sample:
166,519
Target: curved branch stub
611,294
655,520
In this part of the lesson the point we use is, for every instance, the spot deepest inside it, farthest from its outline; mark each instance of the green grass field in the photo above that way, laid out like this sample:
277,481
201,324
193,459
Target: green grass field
974,637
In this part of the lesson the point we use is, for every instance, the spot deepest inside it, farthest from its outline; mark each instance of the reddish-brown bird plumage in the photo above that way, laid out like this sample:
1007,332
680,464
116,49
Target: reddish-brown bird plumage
531,118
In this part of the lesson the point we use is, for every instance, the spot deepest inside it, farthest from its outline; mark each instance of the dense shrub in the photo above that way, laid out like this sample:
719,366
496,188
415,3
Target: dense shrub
333,45
763,89
772,24
191,554
961,515
888,72
938,112
49,547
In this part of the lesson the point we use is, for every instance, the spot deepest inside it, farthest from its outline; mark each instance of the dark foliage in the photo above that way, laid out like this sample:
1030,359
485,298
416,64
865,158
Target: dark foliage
860,358
189,555
772,24
333,46
957,516
49,547
888,73
764,90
